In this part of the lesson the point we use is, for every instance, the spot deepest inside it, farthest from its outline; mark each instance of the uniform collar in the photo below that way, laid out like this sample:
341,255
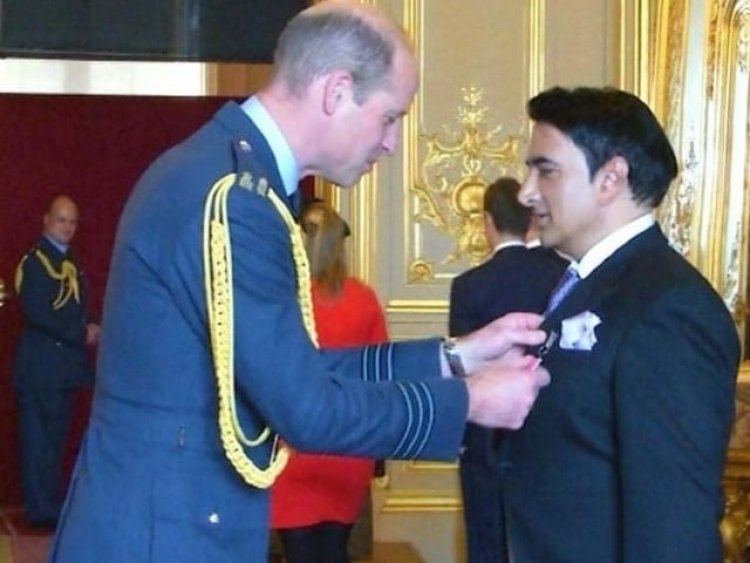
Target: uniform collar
63,248
282,152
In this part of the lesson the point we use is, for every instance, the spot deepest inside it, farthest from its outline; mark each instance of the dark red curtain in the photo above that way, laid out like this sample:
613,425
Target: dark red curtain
92,148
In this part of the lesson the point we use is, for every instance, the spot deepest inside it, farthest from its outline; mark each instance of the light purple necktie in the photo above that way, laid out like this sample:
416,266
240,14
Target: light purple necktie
566,284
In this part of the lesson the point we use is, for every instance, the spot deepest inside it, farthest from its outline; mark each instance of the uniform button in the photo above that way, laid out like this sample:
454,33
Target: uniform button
58,343
214,518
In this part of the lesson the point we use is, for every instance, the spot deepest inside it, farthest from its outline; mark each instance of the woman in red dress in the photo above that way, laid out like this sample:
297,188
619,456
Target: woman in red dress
317,498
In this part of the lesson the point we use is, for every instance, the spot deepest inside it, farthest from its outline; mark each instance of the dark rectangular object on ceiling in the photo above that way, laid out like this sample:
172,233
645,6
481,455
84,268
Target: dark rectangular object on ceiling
188,30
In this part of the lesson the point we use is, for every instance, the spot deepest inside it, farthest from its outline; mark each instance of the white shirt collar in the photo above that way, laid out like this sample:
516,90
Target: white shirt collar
63,248
282,152
609,244
507,244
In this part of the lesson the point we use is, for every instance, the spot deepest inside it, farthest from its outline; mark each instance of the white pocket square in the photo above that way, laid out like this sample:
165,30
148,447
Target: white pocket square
577,333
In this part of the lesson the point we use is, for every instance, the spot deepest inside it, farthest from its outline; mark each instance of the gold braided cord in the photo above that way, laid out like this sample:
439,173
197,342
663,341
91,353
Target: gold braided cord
19,275
67,276
301,266
217,262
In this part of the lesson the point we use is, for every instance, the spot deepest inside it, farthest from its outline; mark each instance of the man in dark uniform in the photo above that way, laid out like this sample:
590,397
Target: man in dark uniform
51,358
514,278
209,349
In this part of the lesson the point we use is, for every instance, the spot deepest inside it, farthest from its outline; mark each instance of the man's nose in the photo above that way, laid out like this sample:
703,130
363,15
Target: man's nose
527,193
390,140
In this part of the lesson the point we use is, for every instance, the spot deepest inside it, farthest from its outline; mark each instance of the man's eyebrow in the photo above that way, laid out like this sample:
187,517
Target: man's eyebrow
538,160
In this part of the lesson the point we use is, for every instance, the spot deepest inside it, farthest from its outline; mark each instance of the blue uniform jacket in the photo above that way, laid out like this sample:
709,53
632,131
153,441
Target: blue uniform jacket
51,353
152,482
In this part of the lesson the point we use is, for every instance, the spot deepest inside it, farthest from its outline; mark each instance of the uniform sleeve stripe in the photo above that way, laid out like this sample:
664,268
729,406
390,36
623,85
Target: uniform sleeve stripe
377,362
389,366
409,420
365,353
378,352
420,408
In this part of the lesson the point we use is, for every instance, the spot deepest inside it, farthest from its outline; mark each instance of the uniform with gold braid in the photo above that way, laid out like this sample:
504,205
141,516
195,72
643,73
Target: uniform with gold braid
50,364
208,356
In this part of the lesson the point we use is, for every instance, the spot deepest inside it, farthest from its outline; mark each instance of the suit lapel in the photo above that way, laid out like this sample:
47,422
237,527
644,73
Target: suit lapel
603,281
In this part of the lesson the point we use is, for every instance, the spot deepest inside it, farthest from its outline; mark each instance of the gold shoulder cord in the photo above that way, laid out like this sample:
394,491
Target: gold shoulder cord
217,265
67,276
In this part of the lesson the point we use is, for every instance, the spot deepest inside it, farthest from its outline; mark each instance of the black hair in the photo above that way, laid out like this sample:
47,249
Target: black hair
607,122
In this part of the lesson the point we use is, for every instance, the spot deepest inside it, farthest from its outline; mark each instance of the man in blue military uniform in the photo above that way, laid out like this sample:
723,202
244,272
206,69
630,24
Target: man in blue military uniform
209,349
51,358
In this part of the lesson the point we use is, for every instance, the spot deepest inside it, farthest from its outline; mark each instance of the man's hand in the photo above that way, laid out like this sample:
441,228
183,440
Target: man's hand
502,393
495,339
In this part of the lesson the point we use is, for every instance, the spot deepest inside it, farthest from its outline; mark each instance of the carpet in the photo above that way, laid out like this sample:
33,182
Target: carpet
18,542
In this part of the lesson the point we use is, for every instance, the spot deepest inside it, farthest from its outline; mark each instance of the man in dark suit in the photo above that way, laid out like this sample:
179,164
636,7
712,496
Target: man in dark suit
622,457
515,278
208,349
51,360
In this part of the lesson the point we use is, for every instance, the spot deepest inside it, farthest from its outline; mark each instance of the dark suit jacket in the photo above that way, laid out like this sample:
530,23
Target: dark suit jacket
51,353
621,458
152,481
514,279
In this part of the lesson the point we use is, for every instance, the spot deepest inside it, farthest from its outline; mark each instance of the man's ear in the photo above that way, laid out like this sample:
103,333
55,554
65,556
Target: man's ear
613,179
336,88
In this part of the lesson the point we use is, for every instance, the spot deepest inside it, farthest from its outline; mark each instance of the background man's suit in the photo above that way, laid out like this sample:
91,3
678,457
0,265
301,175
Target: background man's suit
515,278
152,482
620,458
50,364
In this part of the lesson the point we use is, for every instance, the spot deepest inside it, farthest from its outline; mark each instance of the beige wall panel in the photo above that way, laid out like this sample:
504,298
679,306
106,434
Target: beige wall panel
581,43
482,45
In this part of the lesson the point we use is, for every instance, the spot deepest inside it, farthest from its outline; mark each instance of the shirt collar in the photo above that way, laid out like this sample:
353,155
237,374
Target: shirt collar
282,152
507,244
609,244
63,248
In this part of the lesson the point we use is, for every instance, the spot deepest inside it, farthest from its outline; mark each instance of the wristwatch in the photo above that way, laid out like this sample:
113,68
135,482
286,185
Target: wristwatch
453,357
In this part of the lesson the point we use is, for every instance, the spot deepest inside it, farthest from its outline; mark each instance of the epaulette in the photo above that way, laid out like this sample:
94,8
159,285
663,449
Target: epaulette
244,161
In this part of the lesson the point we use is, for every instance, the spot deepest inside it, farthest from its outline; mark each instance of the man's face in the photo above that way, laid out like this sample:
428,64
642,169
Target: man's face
61,220
368,131
558,190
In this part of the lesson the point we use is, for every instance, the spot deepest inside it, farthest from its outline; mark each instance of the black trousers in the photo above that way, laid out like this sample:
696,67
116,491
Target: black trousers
321,543
45,417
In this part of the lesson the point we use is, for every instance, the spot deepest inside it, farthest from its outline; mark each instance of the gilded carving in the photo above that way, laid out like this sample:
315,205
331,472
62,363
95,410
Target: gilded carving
448,193
421,271
712,45
676,212
735,526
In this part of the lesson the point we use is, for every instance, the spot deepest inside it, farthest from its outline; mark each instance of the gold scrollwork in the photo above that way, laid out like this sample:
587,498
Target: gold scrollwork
421,271
735,526
676,212
449,192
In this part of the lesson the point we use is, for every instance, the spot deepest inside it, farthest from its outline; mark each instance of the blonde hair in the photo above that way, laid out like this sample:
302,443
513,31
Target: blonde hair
325,231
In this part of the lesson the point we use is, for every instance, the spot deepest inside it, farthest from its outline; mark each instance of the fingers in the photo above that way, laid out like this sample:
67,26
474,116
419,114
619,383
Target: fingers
503,394
528,321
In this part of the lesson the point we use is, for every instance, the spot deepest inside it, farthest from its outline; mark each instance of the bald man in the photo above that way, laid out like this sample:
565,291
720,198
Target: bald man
51,360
